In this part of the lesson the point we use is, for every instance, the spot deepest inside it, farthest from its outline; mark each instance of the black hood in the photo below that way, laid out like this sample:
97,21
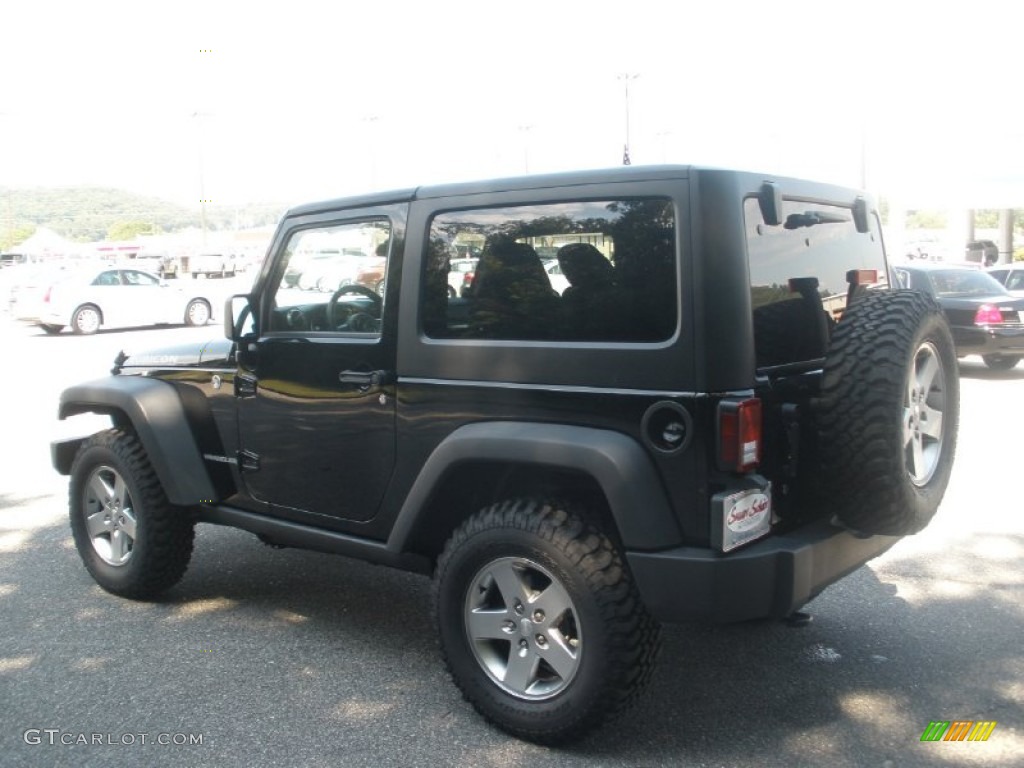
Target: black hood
213,353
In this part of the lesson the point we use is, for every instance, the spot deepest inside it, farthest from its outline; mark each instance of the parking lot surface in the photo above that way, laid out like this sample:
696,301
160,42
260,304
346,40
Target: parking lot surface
281,657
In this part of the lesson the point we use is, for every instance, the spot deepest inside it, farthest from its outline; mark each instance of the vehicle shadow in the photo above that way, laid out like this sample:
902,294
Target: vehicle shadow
349,648
866,676
67,334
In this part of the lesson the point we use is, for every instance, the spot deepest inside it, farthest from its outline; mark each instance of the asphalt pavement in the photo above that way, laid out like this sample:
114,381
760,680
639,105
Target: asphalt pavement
267,657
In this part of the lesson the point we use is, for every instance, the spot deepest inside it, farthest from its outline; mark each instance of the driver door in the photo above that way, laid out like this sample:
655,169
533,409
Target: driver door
315,394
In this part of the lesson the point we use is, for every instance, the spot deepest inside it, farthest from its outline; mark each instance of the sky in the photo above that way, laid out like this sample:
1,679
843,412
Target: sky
236,102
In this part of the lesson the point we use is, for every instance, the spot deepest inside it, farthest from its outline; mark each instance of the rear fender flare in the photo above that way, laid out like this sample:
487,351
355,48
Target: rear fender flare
620,466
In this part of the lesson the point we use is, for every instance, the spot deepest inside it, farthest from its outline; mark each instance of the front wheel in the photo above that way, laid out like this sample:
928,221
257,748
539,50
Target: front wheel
1001,362
131,539
540,623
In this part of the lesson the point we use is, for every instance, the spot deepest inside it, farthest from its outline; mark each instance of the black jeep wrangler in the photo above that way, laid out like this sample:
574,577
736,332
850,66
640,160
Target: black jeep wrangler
708,403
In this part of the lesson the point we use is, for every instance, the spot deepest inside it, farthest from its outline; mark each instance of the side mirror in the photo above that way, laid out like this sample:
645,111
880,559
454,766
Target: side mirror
238,317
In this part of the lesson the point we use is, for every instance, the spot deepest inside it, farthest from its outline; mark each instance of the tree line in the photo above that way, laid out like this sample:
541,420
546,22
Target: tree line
90,214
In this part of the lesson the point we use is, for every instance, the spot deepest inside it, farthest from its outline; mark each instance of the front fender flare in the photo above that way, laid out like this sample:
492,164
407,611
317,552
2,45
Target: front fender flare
618,464
156,413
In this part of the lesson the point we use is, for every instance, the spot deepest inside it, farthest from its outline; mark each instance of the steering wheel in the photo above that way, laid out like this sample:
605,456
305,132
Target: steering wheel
333,321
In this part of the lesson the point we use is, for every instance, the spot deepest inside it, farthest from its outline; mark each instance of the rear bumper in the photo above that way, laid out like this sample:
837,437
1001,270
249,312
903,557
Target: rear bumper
988,340
769,579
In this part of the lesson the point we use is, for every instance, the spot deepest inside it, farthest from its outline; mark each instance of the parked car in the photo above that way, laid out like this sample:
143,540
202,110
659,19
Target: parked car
89,299
460,274
572,469
26,286
1011,276
320,270
162,264
928,249
11,259
212,265
329,271
985,318
984,252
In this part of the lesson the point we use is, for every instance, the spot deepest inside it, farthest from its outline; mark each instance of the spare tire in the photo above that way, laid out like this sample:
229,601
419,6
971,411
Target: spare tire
888,412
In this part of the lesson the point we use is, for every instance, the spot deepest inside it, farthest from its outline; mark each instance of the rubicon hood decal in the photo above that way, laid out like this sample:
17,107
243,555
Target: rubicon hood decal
181,356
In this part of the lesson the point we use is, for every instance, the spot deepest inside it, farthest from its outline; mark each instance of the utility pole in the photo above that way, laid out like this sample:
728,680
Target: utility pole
8,241
202,180
625,77
525,131
371,137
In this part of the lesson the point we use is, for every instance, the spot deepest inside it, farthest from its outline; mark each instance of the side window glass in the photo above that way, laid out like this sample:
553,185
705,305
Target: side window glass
110,277
133,277
331,279
575,271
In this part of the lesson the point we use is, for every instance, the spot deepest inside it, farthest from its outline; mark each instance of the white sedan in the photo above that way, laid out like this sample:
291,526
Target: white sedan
113,296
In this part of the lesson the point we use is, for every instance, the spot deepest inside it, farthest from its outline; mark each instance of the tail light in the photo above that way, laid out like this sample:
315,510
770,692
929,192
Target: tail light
46,296
739,434
988,314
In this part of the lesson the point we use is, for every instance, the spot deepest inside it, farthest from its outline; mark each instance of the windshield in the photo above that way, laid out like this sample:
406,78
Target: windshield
964,282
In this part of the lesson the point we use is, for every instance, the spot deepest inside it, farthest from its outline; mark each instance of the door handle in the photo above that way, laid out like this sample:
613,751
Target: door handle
364,380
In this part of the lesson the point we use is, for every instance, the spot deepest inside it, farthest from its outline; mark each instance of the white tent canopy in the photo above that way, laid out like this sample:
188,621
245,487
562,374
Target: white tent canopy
45,242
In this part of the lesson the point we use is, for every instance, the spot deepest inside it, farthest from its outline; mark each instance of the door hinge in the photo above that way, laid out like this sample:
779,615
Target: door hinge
248,461
245,386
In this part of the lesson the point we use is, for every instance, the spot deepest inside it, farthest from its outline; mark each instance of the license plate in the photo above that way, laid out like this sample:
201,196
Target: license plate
741,517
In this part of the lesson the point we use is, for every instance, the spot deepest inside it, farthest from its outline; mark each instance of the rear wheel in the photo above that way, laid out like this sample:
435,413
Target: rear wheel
131,539
541,626
51,330
86,320
888,413
197,312
1001,362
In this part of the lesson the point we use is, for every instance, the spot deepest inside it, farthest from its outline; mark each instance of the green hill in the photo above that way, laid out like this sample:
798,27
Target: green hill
88,214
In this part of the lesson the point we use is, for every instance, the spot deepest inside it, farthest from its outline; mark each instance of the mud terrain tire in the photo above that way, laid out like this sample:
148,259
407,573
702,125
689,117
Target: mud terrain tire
540,623
133,541
888,413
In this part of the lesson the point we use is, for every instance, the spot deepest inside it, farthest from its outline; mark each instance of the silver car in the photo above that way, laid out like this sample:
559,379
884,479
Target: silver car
89,299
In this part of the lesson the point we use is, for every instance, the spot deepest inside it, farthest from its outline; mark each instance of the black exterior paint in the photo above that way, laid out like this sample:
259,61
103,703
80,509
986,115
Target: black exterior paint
376,471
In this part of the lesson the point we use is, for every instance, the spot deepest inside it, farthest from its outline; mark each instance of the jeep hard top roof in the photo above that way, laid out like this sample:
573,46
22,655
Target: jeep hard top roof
791,188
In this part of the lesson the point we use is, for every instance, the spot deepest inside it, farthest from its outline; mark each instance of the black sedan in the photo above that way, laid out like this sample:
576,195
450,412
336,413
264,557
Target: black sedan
985,318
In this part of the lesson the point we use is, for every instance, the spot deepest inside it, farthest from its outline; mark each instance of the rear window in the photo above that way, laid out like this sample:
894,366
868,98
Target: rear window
963,282
798,272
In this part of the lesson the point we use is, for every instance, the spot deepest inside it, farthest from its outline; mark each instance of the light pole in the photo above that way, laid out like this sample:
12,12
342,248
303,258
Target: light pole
7,242
202,180
625,77
525,131
370,122
663,138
